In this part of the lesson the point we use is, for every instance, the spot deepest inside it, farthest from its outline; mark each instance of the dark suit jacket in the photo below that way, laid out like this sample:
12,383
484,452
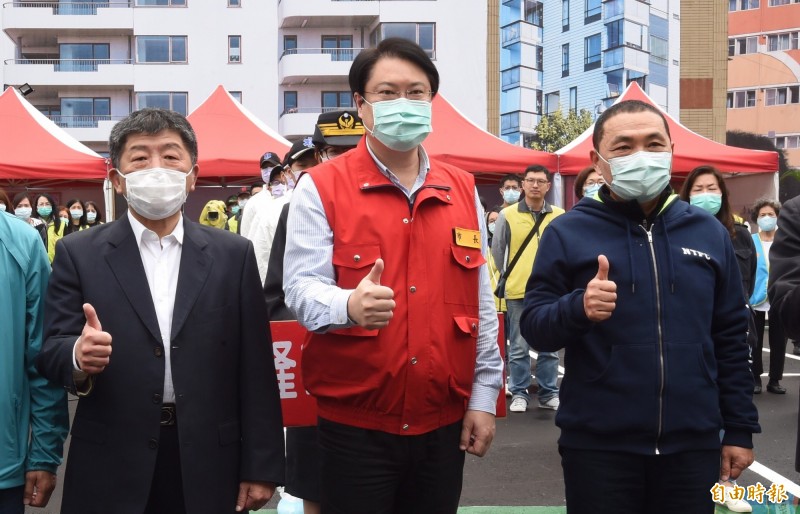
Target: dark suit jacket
784,279
273,282
228,410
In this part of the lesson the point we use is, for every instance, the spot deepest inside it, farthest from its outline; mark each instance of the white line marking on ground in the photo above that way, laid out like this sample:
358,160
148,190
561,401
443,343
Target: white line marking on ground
775,477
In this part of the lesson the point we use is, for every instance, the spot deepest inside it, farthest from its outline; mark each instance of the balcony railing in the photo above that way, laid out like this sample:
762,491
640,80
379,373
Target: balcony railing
70,64
313,110
73,8
337,54
85,121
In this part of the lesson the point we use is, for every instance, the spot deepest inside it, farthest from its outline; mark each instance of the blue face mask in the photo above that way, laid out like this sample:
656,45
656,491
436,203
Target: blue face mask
511,195
44,211
641,176
591,190
709,202
401,124
767,223
491,226
235,209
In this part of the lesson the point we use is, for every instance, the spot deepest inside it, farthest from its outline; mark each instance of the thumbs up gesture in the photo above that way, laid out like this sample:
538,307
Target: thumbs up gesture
600,298
371,304
93,349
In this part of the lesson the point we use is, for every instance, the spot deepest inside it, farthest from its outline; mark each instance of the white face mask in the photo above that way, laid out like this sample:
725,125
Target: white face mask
76,214
91,216
23,213
278,190
156,193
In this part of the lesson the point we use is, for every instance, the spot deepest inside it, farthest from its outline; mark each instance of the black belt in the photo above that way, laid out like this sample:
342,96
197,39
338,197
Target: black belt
168,415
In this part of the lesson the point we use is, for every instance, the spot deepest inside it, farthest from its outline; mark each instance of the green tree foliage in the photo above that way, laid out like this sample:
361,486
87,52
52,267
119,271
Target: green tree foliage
555,131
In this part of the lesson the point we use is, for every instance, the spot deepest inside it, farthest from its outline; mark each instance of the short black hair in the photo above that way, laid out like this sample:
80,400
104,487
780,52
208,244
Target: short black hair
151,121
255,185
511,176
627,106
362,66
538,168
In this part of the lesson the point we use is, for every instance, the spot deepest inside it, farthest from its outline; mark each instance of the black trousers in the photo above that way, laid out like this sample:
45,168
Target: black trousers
777,346
604,482
11,500
372,472
303,463
166,491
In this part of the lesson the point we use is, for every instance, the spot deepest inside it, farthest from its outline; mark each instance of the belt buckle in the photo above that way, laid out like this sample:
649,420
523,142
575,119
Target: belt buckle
167,415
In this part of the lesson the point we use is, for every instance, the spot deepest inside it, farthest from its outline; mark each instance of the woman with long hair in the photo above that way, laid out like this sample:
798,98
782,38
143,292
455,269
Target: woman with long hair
22,207
45,210
77,217
93,215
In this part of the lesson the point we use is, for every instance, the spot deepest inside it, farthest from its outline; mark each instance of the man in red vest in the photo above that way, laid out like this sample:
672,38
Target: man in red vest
384,265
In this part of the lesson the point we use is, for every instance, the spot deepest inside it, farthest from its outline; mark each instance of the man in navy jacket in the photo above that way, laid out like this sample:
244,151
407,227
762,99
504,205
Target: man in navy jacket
643,293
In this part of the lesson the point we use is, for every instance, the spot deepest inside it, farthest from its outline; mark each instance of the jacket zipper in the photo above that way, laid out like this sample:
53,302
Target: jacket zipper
660,338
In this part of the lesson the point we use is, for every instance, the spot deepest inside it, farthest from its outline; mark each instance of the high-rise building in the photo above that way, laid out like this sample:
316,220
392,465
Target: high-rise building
581,54
91,63
764,71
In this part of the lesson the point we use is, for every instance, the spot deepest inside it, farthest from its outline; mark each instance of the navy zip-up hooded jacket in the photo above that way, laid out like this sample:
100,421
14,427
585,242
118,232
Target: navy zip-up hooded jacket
669,368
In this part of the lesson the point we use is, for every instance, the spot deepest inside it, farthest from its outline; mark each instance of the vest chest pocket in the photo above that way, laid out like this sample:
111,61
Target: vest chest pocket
353,262
462,275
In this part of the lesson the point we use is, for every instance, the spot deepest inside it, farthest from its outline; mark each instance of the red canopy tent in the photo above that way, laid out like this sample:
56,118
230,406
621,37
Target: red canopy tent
230,138
458,141
691,149
33,148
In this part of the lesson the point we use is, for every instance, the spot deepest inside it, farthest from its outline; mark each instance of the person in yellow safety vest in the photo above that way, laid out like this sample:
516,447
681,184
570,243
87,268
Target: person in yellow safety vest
233,209
213,214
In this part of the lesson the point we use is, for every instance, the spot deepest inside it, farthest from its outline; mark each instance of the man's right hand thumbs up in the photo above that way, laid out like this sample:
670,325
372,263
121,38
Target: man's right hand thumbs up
93,349
600,298
371,305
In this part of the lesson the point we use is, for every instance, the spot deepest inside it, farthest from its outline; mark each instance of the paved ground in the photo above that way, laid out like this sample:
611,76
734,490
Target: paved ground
523,467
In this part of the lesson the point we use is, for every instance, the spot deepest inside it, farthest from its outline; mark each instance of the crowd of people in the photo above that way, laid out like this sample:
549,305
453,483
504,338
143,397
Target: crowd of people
397,271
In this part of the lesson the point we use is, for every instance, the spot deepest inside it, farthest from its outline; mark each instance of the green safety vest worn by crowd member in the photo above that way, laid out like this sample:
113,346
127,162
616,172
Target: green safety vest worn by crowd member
520,222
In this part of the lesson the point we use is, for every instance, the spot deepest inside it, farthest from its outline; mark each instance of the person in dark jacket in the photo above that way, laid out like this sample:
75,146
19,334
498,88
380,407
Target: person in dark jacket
644,294
784,278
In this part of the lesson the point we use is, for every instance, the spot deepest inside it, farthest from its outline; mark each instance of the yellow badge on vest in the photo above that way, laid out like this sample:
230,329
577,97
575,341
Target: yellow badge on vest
466,237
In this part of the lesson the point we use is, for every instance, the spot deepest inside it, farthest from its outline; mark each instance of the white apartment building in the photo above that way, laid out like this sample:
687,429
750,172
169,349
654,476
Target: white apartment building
91,63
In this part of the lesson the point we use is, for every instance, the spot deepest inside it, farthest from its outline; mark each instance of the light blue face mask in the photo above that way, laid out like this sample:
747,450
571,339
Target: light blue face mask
641,176
709,202
591,190
511,195
767,223
401,124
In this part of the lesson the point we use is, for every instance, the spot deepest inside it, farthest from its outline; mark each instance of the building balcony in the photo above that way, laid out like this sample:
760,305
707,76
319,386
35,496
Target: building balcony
315,65
87,128
298,122
520,32
628,57
102,18
327,13
69,72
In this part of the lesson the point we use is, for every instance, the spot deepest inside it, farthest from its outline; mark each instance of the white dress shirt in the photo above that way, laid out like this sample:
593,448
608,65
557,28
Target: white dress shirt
320,305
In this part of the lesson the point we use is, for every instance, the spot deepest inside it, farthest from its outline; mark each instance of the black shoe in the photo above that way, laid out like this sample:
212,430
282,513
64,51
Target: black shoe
757,389
775,388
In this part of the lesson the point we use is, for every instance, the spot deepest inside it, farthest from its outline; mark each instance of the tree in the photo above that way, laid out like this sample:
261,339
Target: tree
555,131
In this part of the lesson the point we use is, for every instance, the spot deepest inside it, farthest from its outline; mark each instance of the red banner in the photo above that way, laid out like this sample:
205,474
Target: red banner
299,407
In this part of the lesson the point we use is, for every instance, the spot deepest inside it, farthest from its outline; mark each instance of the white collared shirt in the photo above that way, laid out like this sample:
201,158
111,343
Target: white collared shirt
161,259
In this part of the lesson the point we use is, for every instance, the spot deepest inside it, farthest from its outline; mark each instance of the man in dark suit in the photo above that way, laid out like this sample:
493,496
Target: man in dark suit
184,414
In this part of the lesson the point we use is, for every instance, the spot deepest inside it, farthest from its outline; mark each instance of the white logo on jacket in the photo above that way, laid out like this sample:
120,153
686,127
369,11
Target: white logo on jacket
689,251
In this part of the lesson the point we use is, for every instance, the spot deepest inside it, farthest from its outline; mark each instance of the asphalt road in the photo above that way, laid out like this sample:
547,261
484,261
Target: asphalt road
523,467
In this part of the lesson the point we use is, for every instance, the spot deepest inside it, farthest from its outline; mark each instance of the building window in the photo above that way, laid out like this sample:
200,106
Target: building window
177,102
614,34
237,95
659,50
235,49
591,58
742,45
741,99
593,12
773,3
289,45
778,42
790,141
782,95
743,5
552,102
234,3
533,12
82,56
565,60
84,112
573,99
160,49
335,100
289,102
160,3
423,34
564,15
340,48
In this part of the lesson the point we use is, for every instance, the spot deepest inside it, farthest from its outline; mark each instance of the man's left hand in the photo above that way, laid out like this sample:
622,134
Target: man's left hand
477,432
254,495
734,460
39,486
